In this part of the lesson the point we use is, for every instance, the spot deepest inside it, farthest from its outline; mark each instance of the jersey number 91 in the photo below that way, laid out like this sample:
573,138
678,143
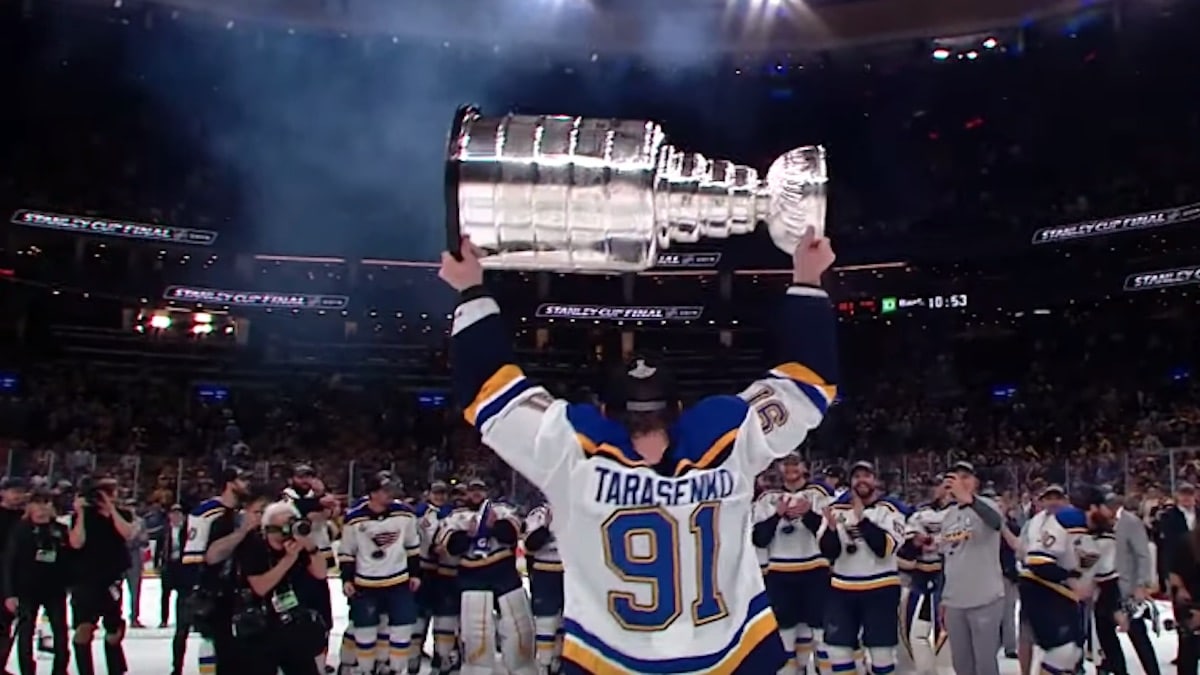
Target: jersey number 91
642,546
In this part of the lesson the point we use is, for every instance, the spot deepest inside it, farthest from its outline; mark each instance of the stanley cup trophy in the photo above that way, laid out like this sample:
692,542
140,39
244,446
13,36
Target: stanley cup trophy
584,195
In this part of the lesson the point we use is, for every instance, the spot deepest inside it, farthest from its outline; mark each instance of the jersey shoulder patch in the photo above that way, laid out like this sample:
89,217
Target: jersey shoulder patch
705,432
421,509
896,505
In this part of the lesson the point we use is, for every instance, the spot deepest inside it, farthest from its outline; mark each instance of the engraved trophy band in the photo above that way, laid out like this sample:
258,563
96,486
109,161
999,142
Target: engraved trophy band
579,194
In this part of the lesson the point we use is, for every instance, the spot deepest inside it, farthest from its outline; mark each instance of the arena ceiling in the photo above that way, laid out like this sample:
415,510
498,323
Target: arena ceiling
632,25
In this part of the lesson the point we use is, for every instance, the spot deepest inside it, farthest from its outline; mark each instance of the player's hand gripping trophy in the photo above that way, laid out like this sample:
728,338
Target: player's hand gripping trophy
575,194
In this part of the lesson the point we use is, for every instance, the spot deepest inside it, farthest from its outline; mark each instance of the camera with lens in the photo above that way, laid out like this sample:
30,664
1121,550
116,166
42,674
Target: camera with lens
298,528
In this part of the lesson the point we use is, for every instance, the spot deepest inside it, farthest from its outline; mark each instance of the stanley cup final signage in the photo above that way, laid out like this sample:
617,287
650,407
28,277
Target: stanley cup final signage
114,228
589,195
619,313
260,299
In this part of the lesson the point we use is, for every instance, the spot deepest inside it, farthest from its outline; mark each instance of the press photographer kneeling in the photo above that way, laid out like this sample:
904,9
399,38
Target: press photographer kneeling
274,563
99,532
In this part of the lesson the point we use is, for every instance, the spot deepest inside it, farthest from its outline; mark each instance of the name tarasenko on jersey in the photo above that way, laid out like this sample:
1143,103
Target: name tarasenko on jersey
621,488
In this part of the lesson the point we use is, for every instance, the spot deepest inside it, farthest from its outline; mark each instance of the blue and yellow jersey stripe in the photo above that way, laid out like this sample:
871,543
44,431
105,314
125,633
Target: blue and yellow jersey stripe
816,388
754,648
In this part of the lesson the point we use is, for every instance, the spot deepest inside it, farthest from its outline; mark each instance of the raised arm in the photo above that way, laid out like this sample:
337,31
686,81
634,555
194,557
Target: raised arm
518,419
792,398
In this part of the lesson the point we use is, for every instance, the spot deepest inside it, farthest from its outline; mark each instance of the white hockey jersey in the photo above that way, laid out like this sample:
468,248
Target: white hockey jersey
1057,545
199,529
376,545
446,564
926,521
1106,563
794,547
661,575
429,516
857,568
484,551
546,558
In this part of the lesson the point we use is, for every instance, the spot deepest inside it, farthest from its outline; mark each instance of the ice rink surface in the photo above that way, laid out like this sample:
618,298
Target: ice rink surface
149,649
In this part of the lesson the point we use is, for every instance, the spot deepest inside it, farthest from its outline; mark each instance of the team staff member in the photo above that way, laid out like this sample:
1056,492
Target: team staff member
100,534
35,576
12,508
973,593
1184,574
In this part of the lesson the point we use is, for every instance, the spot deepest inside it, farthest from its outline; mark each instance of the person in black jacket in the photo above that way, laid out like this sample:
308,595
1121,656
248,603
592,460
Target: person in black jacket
13,496
35,574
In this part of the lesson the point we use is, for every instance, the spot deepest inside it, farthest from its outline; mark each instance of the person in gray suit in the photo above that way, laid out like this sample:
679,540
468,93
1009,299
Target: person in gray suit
1125,578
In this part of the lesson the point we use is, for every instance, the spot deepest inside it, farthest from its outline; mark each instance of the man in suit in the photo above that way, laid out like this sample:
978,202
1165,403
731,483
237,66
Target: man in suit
1174,523
1127,591
168,552
168,559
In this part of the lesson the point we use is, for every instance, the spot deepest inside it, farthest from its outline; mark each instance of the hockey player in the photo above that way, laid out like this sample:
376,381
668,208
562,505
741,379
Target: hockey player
380,568
787,522
862,533
428,513
484,536
921,633
445,596
1059,564
671,582
545,586
213,534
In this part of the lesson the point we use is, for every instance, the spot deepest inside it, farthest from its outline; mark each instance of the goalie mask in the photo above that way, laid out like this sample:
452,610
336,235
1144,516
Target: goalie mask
642,395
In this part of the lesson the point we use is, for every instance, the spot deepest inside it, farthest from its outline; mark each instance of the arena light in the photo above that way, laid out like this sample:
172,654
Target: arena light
202,329
990,43
202,317
941,54
160,322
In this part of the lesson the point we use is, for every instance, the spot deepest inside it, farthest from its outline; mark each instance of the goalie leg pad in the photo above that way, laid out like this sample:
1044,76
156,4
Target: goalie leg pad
477,631
517,632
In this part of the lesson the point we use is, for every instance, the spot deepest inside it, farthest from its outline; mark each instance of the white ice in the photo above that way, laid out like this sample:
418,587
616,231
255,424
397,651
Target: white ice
149,649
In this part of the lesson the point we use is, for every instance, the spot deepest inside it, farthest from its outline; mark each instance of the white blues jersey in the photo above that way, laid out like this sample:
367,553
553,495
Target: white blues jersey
1057,548
446,564
546,558
1106,547
794,547
377,546
660,573
200,524
484,551
927,521
428,518
857,567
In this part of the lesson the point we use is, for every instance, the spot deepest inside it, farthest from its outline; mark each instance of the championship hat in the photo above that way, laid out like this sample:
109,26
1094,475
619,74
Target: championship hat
641,386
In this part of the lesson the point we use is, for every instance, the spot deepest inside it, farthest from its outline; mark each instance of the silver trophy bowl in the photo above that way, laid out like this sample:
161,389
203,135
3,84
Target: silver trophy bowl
587,195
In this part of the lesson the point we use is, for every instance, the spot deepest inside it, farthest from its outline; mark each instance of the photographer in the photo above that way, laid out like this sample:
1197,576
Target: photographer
99,533
35,576
1184,574
12,508
275,564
